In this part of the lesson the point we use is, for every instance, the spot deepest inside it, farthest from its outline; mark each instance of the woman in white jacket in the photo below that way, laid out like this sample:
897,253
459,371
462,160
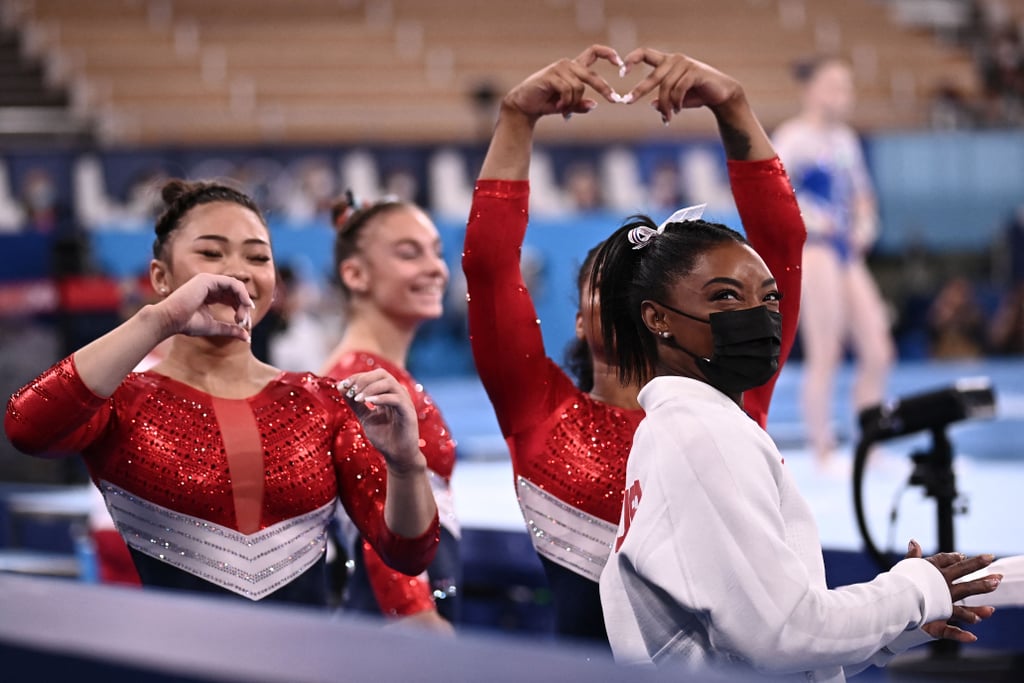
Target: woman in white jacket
717,560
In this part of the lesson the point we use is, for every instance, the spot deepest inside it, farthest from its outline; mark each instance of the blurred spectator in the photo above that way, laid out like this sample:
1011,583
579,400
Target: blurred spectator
312,190
403,184
1006,333
956,322
950,109
291,336
39,199
666,193
12,217
705,180
258,178
996,41
1011,251
583,186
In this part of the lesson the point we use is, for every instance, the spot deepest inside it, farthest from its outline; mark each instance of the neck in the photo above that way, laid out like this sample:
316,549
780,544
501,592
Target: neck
214,365
372,331
664,371
608,389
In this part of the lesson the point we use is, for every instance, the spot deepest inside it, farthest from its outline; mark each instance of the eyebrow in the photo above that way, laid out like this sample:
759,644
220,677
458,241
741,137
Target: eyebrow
770,282
225,240
436,243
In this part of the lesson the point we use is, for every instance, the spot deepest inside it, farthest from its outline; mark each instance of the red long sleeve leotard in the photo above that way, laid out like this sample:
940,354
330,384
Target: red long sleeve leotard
235,492
394,593
569,450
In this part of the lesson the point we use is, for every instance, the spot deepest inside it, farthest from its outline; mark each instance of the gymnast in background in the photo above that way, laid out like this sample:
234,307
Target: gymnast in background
569,442
841,304
393,277
221,472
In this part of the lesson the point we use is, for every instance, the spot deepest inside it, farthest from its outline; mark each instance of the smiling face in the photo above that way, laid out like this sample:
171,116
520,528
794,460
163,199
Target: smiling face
222,238
398,267
727,277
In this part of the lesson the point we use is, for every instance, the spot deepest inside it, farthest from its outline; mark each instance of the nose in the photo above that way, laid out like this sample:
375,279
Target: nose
438,266
237,267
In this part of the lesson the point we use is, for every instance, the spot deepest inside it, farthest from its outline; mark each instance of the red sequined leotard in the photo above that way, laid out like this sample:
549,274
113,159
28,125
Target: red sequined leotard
569,450
374,585
220,494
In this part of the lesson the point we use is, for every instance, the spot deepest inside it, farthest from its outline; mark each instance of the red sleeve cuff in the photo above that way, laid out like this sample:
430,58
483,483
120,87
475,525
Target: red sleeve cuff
502,189
410,556
743,170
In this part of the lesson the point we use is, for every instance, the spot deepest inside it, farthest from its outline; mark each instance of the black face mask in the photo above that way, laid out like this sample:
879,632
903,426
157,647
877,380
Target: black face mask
747,343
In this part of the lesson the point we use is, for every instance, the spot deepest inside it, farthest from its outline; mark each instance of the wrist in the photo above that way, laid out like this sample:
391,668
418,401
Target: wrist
410,467
734,109
155,320
510,115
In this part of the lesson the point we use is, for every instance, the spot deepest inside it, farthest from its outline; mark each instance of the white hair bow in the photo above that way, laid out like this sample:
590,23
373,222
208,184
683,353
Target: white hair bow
641,236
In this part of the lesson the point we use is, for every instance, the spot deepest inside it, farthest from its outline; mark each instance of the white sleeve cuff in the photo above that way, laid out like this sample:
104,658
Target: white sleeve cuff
936,603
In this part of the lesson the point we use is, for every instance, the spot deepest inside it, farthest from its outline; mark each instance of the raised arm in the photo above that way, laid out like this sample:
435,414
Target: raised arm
764,196
506,339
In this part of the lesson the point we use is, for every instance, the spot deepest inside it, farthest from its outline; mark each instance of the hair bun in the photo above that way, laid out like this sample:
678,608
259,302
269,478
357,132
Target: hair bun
176,188
342,210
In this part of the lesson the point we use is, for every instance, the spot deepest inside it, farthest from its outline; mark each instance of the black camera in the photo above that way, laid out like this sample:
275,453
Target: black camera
932,410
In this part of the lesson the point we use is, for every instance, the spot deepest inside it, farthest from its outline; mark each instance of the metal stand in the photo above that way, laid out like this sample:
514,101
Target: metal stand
933,470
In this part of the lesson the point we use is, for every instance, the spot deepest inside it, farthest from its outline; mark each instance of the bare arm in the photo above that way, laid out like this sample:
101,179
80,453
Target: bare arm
685,83
103,364
558,88
389,419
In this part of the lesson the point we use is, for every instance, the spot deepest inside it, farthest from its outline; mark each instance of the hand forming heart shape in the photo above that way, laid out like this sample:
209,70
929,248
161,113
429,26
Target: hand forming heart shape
680,81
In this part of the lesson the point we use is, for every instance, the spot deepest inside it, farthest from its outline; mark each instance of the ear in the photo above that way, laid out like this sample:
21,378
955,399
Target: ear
653,318
159,277
579,326
354,275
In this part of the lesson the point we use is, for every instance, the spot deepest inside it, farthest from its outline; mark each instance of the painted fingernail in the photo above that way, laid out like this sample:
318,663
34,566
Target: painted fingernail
616,97
567,115
993,581
664,120
344,384
627,98
912,544
622,69
591,106
351,392
358,398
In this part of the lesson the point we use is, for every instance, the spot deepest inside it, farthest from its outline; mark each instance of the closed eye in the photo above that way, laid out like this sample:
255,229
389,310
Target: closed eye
209,253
